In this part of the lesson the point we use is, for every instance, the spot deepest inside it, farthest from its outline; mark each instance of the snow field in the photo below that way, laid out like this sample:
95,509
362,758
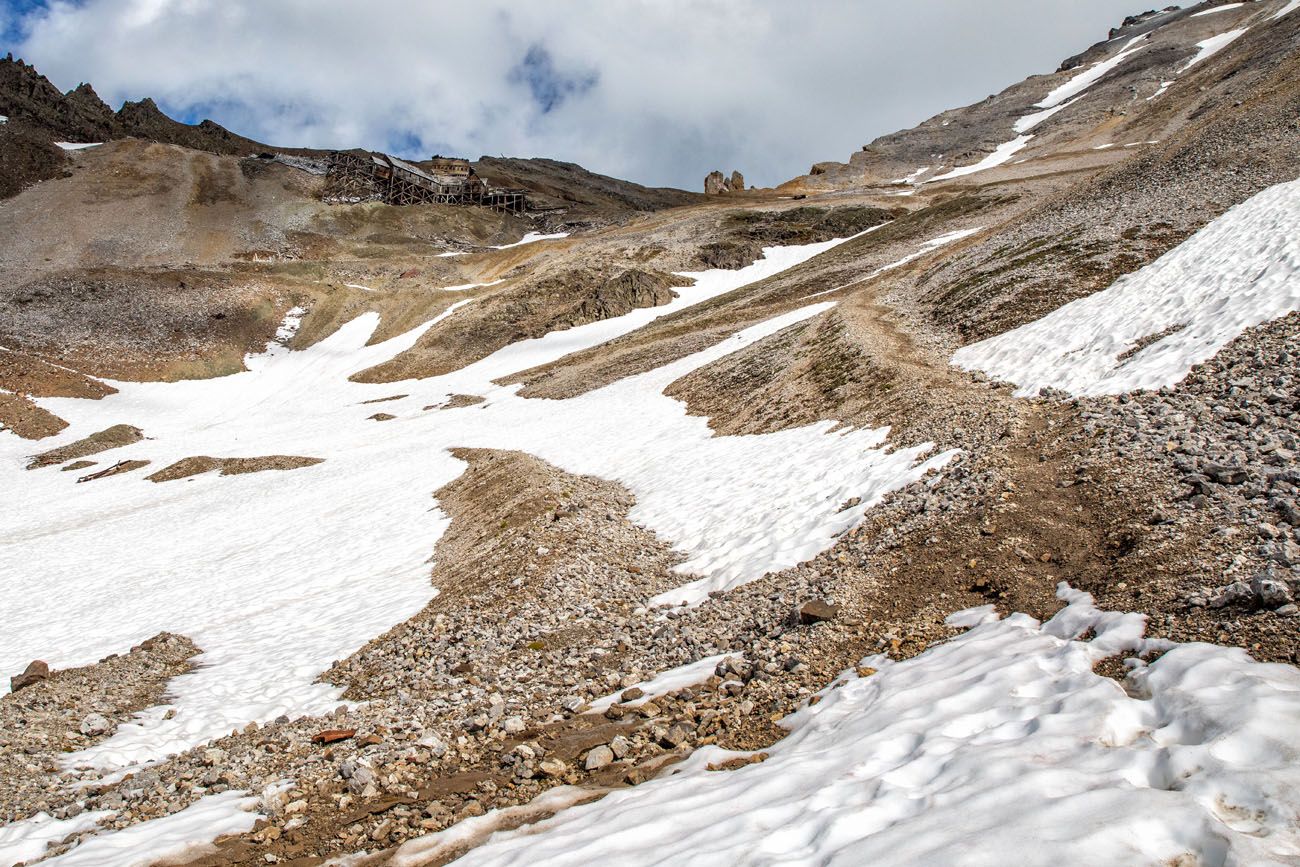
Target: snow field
1151,327
966,753
276,574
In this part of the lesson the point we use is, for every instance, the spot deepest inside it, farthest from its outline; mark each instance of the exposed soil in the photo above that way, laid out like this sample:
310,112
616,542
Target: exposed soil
188,467
110,438
31,422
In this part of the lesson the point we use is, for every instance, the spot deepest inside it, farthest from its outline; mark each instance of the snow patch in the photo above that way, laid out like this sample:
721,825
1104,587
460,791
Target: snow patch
1224,8
960,755
926,247
168,838
1086,79
911,179
28,839
664,682
1212,46
467,286
1004,152
1152,326
358,286
531,238
1029,121
77,146
1290,7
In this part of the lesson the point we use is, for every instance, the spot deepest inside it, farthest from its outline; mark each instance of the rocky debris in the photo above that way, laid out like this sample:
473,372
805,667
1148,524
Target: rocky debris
21,415
746,233
55,713
716,183
628,291
35,672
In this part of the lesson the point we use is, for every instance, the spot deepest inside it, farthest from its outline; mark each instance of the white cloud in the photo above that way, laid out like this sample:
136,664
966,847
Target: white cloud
660,92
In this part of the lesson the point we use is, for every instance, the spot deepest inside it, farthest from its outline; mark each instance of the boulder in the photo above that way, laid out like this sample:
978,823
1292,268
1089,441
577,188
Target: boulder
598,758
35,672
817,611
714,183
95,724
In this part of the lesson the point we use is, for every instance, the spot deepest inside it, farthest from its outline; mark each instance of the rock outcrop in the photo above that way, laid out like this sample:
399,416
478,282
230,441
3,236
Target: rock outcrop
715,183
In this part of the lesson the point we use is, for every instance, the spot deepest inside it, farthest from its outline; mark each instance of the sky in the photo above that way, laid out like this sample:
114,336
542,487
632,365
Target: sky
656,91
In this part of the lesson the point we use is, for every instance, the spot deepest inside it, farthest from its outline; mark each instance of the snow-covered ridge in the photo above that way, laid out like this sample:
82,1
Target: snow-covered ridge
1152,326
961,755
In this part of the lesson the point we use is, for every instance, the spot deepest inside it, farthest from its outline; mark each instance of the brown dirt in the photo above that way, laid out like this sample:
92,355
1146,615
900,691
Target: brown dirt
188,467
110,438
24,373
31,422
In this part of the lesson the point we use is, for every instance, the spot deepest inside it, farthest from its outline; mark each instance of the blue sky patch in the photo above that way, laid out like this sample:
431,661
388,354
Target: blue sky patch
549,87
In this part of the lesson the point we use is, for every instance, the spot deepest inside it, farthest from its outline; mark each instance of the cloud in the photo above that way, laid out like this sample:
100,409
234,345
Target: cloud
658,91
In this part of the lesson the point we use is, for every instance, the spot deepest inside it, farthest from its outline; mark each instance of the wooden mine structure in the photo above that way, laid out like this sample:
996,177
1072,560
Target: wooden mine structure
449,181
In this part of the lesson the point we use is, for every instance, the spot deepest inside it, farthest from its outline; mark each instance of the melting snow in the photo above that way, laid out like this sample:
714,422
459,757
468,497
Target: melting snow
77,146
1164,85
1001,746
276,574
665,682
1241,270
358,286
911,179
28,839
166,839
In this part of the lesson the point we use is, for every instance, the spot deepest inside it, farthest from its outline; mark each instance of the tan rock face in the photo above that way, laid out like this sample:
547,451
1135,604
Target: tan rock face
716,182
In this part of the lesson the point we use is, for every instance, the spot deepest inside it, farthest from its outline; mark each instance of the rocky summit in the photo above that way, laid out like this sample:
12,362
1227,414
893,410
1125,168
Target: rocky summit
939,505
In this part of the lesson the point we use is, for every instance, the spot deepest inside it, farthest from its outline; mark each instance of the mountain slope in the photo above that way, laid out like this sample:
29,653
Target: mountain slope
789,556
